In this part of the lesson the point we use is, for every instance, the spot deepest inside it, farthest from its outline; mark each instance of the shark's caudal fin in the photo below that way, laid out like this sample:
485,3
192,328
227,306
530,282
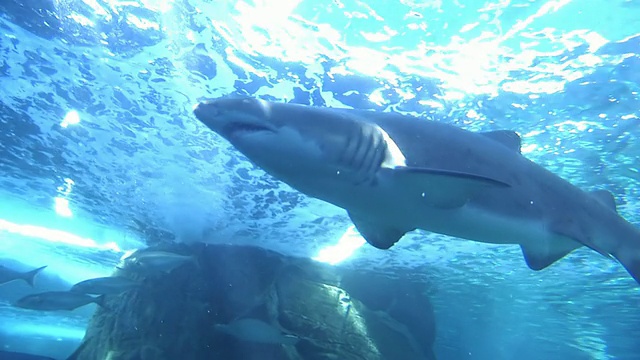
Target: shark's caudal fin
30,276
629,253
100,300
629,257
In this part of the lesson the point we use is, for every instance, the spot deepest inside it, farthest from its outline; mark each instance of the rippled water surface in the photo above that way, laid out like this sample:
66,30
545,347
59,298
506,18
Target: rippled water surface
96,123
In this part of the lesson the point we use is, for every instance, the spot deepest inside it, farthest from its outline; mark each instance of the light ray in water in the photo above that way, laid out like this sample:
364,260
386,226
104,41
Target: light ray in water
72,118
350,241
53,235
61,205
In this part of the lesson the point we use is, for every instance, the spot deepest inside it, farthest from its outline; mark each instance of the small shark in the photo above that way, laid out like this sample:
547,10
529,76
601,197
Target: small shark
154,261
394,173
110,285
255,330
57,300
8,275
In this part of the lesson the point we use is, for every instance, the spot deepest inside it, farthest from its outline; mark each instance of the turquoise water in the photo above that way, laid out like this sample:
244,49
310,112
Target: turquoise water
97,140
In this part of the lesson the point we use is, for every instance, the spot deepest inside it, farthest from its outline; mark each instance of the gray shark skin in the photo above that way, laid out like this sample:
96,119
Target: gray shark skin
395,173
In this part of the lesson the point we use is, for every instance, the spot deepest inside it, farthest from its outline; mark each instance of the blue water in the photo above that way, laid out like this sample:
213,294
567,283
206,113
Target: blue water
100,154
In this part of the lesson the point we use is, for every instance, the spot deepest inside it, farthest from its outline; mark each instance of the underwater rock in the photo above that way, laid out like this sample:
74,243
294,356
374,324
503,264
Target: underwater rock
240,302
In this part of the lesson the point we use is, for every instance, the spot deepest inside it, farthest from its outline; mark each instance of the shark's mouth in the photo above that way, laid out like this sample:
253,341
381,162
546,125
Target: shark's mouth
241,128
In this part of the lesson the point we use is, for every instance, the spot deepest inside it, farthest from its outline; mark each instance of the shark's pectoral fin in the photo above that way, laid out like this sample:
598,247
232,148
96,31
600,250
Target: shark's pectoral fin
443,189
539,257
606,198
379,235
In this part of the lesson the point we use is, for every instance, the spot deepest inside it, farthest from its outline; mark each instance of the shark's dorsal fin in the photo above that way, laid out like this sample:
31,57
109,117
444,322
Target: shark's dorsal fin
508,138
606,198
376,234
439,188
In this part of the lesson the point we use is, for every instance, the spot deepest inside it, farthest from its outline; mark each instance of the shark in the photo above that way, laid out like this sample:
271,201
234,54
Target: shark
395,173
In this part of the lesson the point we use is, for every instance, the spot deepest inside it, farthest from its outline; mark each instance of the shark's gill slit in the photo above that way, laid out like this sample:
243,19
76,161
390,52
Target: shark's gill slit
354,142
364,153
378,153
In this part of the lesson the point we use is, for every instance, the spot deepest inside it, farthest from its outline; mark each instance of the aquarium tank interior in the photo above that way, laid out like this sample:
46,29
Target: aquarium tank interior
326,179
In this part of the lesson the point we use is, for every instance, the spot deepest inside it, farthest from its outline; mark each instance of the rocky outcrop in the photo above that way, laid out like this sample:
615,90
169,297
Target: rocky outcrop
334,314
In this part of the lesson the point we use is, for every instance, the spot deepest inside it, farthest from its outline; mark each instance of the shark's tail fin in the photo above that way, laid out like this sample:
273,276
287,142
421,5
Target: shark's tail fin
30,275
629,257
100,300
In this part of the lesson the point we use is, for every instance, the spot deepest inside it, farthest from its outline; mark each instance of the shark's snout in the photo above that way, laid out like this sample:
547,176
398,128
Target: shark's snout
206,111
234,116
208,105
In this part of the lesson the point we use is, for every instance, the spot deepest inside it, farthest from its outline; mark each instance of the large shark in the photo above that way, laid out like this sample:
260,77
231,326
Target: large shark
394,173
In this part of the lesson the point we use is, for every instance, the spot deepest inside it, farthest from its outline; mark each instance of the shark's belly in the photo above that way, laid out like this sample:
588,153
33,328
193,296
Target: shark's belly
476,224
471,222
